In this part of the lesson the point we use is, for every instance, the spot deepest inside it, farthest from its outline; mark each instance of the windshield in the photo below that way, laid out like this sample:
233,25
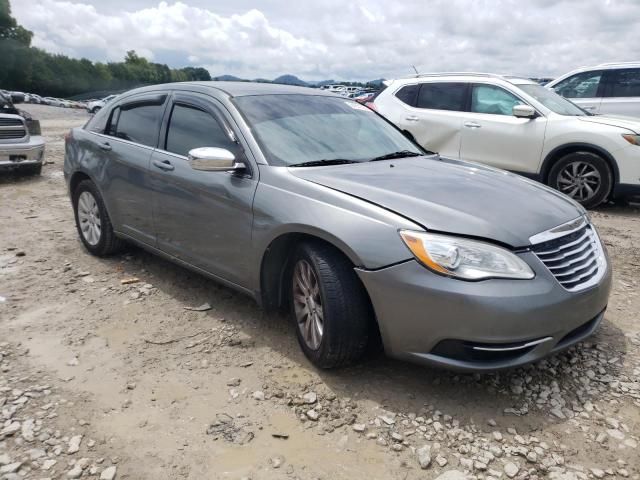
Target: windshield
552,100
295,129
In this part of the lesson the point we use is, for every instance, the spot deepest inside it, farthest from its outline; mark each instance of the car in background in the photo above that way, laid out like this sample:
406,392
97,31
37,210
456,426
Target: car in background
55,102
610,88
313,203
96,105
516,124
21,142
364,97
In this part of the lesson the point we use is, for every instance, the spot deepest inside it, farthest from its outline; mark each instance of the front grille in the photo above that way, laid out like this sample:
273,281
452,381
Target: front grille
9,134
10,122
575,259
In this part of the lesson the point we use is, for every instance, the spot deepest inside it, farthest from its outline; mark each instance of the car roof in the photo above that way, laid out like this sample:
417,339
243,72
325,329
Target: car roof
236,89
466,77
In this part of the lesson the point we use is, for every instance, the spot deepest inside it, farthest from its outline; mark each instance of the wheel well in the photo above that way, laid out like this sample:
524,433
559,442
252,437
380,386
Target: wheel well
76,178
560,152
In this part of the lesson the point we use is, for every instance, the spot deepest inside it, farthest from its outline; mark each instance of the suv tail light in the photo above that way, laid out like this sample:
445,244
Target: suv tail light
68,136
372,106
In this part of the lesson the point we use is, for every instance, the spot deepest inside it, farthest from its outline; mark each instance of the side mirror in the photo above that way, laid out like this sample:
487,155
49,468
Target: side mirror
212,159
524,111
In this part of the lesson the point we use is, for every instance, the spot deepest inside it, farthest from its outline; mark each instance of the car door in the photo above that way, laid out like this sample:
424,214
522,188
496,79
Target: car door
492,135
130,136
203,218
585,89
622,92
433,115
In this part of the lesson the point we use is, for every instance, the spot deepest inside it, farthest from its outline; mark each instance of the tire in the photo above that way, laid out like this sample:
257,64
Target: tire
584,176
105,242
344,305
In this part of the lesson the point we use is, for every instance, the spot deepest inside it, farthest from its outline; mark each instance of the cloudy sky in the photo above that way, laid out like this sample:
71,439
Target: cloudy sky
342,39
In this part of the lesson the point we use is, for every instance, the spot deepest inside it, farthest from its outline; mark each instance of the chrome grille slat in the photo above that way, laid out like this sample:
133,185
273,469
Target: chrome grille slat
575,259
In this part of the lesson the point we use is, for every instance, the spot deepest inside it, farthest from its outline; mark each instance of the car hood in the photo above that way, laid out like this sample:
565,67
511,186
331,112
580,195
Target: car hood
452,196
628,123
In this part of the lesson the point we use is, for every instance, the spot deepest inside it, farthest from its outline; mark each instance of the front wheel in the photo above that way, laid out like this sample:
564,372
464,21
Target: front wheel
584,176
329,305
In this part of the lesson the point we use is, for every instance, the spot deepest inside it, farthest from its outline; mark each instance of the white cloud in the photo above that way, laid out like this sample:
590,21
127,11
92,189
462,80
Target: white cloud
342,40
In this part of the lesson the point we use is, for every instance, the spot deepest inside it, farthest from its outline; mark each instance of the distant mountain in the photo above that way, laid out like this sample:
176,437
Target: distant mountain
228,78
290,80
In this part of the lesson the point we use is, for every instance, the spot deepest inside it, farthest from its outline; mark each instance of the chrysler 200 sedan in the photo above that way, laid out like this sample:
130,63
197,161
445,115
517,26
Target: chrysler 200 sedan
313,203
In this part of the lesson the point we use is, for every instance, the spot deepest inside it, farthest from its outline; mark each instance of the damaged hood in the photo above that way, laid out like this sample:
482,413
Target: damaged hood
452,196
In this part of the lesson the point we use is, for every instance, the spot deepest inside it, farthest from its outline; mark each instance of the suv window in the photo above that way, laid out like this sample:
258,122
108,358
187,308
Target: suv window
493,100
138,122
407,94
190,127
580,85
624,83
442,96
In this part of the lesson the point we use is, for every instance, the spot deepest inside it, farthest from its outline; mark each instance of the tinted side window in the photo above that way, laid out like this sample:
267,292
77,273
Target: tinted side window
442,96
625,83
580,85
191,127
493,100
408,94
139,123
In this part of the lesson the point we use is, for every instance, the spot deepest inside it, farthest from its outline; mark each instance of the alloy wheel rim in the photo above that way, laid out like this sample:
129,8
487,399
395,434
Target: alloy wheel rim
89,218
580,180
307,304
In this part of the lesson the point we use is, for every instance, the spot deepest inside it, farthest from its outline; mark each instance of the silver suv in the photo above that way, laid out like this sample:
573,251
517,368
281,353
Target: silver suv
311,202
610,88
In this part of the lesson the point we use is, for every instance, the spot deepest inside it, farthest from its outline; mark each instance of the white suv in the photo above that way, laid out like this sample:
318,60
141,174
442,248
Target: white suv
518,125
610,88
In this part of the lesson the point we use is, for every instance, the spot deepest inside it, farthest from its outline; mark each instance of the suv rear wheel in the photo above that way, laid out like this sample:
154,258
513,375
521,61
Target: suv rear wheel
584,176
329,305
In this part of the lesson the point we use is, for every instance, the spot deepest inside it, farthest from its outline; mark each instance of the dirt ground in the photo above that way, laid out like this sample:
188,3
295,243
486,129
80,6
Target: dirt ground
96,374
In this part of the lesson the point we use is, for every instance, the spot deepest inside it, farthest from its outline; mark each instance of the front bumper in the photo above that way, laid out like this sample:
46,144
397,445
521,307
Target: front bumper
16,155
488,325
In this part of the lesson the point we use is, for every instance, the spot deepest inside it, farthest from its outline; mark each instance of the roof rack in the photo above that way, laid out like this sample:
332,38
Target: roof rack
457,74
613,64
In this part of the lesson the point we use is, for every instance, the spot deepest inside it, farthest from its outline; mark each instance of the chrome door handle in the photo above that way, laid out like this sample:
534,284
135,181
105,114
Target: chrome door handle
412,118
472,125
163,165
105,146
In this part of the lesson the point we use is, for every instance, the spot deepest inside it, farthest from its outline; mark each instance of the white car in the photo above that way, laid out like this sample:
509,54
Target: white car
516,124
93,107
610,88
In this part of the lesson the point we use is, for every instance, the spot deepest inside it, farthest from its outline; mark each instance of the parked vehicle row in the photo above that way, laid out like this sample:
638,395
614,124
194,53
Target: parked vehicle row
21,97
315,204
518,125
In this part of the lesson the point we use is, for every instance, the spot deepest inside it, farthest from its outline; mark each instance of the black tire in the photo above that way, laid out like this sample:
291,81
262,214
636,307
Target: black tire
597,163
347,311
108,242
32,169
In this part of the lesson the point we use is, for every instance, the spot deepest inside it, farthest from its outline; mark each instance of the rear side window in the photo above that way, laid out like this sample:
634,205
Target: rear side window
581,85
625,83
139,123
493,100
442,96
190,128
408,94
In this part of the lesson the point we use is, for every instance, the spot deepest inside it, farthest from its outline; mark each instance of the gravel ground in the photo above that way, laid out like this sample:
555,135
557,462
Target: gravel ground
131,367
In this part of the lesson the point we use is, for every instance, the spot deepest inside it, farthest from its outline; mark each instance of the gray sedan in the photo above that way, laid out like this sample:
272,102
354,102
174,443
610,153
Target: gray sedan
313,203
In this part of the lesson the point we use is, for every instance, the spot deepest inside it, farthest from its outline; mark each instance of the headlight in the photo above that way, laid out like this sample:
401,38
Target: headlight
632,139
465,259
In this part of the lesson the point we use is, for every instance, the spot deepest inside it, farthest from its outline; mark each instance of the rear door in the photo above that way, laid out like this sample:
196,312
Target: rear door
433,115
585,89
622,92
492,135
203,218
125,149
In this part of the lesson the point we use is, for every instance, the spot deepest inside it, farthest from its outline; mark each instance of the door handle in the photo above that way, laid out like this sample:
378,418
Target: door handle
105,146
589,108
412,118
163,165
472,125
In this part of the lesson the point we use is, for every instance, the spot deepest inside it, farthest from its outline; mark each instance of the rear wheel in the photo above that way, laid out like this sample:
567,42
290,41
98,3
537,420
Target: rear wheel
93,222
584,176
329,305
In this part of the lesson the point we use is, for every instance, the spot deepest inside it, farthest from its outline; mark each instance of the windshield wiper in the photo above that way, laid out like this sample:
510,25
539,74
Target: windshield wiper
319,163
400,154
